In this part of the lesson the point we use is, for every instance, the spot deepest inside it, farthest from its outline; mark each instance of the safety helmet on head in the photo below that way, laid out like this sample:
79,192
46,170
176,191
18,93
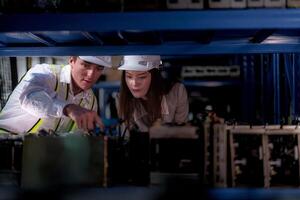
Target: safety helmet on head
104,61
140,63
209,108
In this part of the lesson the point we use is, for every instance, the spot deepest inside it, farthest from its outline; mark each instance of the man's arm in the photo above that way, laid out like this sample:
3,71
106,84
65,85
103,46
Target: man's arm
84,118
37,93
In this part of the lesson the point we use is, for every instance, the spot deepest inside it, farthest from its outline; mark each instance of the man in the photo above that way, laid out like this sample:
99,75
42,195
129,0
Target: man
54,97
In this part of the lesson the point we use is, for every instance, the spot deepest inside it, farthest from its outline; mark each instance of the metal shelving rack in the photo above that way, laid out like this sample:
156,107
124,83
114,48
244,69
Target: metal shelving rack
168,33
160,32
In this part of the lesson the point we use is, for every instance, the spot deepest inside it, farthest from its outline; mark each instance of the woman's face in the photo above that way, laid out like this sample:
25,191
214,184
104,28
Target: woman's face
138,83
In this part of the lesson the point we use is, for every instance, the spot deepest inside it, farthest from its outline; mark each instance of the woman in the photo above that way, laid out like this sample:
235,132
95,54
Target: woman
146,98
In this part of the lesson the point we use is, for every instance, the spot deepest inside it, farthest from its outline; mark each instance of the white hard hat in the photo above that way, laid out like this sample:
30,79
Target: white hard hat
208,108
140,63
104,61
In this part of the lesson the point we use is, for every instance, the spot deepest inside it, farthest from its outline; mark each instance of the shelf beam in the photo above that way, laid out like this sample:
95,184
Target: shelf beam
147,21
41,39
93,37
261,35
220,32
165,49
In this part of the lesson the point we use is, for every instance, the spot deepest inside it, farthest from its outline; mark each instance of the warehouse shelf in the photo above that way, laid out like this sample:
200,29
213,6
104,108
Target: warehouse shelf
160,32
115,85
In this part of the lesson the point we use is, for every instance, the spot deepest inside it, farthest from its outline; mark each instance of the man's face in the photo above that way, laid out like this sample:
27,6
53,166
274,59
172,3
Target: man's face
84,74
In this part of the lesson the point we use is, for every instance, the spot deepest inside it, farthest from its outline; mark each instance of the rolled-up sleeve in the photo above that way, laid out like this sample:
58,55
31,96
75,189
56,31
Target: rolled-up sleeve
37,93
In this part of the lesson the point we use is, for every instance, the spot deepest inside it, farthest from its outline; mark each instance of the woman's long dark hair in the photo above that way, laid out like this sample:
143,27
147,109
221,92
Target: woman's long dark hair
128,103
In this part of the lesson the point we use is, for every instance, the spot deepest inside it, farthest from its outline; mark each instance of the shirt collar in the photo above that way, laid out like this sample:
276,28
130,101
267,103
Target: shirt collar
65,74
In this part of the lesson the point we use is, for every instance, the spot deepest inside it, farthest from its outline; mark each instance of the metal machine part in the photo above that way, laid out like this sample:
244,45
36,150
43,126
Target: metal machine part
283,160
258,156
176,150
70,161
11,147
247,161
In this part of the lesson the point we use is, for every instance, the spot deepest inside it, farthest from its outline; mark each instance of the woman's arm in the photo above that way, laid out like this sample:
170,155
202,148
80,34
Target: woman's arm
182,107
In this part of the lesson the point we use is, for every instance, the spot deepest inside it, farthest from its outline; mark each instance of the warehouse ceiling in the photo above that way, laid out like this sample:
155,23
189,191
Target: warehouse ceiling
164,33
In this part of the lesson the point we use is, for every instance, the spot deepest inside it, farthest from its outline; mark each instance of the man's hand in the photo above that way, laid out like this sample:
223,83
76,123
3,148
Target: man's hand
84,118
